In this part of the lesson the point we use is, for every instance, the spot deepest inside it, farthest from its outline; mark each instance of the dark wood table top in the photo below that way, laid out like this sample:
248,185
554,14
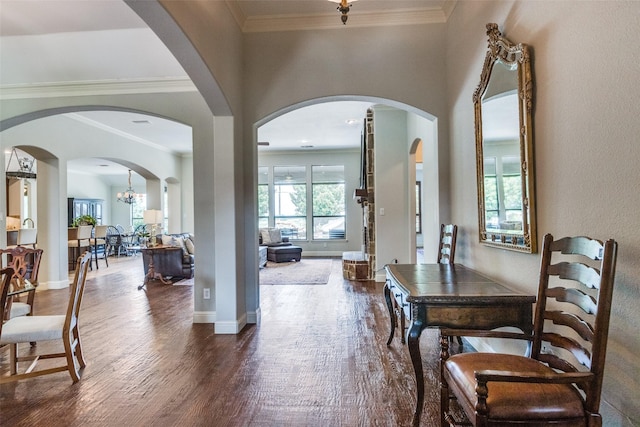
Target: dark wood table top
447,284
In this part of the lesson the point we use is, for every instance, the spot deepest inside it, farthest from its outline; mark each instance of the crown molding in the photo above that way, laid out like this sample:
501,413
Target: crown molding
95,88
114,131
326,21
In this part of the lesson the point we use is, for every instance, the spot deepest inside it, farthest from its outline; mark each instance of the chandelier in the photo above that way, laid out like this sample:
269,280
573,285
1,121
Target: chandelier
129,195
24,164
343,8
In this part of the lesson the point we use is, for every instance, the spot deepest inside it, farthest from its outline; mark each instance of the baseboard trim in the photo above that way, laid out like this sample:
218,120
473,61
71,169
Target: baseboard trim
204,317
322,254
230,327
253,317
53,284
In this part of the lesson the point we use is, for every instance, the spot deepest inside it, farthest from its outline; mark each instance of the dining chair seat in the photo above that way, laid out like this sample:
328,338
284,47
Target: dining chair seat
19,309
33,328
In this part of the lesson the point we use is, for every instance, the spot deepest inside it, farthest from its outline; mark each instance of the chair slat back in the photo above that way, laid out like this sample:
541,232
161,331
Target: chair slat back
101,231
84,232
5,280
25,262
447,243
571,323
77,290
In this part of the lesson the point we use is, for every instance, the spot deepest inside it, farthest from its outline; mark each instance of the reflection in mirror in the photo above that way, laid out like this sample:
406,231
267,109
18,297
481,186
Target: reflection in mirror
503,103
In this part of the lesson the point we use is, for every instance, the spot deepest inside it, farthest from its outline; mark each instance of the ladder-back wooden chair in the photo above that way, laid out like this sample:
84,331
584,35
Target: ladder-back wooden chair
46,328
561,381
447,246
25,263
447,251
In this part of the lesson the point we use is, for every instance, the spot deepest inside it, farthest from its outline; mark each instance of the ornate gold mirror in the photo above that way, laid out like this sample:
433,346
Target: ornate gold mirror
503,105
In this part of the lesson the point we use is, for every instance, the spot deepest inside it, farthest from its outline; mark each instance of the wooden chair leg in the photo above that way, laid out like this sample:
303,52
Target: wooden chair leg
13,358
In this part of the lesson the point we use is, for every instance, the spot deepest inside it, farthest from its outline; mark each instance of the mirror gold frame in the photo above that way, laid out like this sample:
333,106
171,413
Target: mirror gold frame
502,223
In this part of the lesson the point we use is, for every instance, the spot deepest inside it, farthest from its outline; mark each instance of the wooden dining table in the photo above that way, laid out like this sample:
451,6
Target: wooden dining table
452,297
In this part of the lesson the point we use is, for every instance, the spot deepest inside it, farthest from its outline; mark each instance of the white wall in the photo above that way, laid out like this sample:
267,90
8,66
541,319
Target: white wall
392,204
186,187
427,131
586,156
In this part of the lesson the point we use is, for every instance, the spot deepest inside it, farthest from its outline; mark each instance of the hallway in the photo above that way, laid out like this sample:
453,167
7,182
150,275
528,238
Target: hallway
318,357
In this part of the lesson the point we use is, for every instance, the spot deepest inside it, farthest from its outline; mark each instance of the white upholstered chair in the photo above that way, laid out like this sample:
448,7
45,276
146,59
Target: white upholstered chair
64,327
27,237
81,240
100,241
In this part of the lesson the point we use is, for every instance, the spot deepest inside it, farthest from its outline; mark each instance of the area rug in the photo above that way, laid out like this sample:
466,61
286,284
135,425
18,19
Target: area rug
307,271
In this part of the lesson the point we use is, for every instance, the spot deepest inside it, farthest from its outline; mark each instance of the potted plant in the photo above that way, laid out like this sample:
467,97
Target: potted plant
84,220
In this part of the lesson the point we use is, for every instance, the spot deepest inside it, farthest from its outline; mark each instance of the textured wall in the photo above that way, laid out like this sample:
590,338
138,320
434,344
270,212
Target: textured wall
586,151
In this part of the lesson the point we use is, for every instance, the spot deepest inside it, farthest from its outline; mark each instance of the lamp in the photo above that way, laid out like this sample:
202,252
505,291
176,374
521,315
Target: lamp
152,217
343,8
129,195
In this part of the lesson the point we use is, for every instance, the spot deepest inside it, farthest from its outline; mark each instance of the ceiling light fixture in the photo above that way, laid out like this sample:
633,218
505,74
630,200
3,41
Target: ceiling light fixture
129,195
25,166
343,8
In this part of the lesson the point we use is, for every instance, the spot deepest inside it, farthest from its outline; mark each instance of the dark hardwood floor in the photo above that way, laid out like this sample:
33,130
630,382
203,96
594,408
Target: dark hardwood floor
317,358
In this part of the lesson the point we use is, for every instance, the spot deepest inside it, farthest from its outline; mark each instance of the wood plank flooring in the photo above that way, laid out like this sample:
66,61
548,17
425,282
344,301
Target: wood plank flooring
317,358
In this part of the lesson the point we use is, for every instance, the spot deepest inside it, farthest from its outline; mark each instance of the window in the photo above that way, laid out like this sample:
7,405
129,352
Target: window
492,216
290,200
289,204
502,192
328,202
263,197
137,208
512,187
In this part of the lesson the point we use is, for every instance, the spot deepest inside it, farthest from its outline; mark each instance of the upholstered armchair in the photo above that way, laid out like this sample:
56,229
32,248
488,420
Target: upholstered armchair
272,237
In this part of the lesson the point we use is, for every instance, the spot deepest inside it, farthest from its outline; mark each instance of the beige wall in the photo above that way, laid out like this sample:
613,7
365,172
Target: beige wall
586,151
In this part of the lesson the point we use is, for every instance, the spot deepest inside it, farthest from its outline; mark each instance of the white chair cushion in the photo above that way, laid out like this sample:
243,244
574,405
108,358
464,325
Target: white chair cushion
32,328
19,309
74,243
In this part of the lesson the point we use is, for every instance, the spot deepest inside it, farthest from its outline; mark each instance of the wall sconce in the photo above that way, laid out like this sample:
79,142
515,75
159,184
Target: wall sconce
343,8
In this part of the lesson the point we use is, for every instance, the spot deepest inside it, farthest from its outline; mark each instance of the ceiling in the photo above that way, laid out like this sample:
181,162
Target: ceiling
131,52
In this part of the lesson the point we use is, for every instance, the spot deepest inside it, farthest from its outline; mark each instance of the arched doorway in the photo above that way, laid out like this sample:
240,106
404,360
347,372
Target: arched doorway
396,119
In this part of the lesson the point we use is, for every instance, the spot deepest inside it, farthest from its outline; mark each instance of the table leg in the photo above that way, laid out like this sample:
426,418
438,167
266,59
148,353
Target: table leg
414,350
152,275
392,315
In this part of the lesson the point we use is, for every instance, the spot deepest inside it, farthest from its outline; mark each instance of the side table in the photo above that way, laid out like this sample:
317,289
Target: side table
152,254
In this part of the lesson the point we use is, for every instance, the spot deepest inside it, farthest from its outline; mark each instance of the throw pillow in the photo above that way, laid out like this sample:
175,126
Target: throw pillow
190,246
174,241
266,237
275,235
